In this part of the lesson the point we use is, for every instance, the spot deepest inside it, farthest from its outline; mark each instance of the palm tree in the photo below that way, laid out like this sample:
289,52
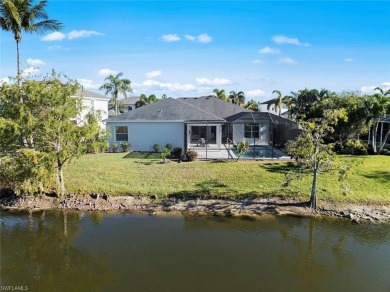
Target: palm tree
115,86
277,102
383,91
219,93
252,105
237,98
143,100
21,15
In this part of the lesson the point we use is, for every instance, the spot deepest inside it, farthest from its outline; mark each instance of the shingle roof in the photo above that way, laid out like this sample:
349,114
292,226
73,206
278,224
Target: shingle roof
86,93
214,106
168,109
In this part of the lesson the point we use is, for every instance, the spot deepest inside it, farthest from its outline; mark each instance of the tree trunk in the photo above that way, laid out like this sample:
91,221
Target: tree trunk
18,60
60,175
374,137
313,195
116,106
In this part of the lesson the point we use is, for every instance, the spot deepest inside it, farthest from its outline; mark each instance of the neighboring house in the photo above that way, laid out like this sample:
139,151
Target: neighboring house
93,102
263,107
129,102
188,122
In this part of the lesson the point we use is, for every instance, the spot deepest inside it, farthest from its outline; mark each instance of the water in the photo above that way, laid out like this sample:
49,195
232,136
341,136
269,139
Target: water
259,152
56,251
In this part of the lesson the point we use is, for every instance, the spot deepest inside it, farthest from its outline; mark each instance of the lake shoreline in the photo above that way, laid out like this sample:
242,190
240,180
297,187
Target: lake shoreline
192,205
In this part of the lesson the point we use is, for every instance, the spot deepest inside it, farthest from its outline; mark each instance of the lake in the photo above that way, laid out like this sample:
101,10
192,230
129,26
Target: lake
75,251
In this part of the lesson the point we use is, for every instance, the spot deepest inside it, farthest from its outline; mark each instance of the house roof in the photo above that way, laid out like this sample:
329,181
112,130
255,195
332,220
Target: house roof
255,117
168,109
129,100
196,110
214,106
386,119
87,93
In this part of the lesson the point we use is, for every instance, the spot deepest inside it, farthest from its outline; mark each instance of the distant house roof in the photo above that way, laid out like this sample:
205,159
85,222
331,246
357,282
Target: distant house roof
129,100
168,109
87,93
386,119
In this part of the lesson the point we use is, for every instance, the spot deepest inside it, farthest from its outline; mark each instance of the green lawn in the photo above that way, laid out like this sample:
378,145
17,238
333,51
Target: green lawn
144,174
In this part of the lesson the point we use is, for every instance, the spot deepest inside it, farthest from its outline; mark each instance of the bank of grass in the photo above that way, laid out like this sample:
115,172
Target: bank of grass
144,174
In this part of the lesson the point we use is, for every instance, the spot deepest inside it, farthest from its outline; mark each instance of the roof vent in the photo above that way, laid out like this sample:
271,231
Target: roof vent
160,111
207,97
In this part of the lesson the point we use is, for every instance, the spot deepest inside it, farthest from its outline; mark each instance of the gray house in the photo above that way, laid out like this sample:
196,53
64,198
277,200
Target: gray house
195,122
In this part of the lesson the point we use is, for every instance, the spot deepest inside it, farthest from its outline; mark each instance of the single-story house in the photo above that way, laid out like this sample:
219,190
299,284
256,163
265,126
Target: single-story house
192,122
93,102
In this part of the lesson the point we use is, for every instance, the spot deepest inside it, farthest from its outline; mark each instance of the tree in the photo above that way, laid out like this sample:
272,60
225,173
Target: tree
242,148
310,150
220,94
47,120
378,106
20,16
237,98
144,100
277,102
115,86
304,103
252,105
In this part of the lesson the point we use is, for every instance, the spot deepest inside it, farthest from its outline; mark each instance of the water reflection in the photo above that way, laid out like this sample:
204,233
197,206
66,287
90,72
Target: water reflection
38,251
57,251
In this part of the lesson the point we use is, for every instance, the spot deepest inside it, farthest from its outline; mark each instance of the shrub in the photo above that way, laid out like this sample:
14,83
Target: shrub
191,155
125,146
168,146
115,147
355,147
157,148
177,151
165,153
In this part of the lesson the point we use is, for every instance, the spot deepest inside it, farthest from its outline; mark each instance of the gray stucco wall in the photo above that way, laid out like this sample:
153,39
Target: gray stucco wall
238,134
143,135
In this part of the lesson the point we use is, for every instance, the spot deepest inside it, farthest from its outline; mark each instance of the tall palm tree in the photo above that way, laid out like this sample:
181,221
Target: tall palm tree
21,15
220,93
277,102
383,91
115,86
237,98
143,100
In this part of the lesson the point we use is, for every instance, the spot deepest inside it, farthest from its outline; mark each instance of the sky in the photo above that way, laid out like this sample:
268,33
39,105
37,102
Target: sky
188,48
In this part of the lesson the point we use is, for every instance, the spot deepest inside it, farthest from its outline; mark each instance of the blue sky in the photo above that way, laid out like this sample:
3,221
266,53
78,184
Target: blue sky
188,48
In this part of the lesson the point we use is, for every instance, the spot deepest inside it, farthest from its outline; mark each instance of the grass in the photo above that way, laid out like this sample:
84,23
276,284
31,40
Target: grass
144,174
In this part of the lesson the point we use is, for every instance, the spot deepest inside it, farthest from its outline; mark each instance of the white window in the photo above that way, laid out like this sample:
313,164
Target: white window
121,133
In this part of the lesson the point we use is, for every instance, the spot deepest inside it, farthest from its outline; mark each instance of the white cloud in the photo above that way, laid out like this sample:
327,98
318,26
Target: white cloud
190,37
256,61
255,93
88,84
349,60
156,85
370,89
76,34
105,72
204,38
268,50
5,80
35,62
30,71
52,48
54,36
213,82
287,60
281,39
169,38
153,74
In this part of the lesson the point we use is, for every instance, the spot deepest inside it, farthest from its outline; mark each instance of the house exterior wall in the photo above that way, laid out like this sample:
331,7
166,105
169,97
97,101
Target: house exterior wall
239,134
94,105
143,135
